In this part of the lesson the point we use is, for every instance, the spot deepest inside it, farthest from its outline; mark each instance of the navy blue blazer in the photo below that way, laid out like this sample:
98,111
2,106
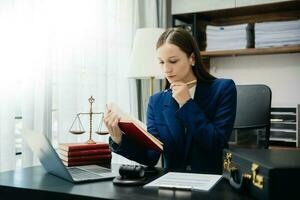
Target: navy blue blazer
193,135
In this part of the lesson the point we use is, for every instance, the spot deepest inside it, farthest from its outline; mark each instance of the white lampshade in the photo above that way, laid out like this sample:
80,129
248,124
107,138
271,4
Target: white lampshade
143,60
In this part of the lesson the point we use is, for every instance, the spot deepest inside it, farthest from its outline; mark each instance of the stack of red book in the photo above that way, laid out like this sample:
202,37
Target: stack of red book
74,154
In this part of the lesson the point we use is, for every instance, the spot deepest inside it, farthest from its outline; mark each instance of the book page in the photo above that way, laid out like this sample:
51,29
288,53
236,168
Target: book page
124,116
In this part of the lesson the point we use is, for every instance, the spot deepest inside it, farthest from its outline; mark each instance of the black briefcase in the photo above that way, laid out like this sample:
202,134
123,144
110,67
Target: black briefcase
263,173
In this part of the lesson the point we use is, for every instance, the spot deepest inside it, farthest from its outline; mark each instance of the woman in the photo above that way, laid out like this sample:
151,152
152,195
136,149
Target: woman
193,117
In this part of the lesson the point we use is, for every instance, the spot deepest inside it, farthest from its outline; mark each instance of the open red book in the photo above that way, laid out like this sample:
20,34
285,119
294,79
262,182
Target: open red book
140,135
136,130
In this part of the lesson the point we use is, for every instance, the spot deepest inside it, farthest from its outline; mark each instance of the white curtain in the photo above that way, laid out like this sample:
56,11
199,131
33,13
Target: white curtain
90,57
7,130
54,55
25,77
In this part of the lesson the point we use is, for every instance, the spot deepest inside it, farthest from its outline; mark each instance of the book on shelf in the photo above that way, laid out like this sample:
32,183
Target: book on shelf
84,152
136,130
276,120
89,162
86,158
82,146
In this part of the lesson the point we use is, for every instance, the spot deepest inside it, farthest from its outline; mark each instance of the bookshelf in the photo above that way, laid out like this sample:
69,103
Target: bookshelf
197,22
284,132
285,126
252,51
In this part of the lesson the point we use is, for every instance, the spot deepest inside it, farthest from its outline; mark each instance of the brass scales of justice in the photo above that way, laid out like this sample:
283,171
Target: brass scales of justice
81,130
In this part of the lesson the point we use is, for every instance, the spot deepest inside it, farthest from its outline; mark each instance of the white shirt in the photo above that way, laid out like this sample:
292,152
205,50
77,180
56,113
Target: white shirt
192,93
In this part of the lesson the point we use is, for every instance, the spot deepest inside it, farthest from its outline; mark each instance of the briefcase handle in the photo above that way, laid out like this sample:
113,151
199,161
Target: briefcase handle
237,184
231,172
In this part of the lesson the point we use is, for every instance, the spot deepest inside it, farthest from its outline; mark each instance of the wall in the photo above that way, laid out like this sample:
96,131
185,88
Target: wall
281,72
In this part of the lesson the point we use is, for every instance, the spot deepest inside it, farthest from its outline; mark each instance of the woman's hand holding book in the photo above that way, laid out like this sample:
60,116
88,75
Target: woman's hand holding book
111,120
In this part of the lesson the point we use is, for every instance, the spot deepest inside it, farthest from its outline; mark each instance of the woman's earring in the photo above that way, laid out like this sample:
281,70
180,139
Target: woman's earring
193,64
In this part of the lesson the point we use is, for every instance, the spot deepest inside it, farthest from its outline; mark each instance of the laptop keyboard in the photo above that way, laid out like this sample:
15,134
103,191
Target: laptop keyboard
80,174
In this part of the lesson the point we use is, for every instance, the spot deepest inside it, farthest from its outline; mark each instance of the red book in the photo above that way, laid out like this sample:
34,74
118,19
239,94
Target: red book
86,158
84,152
140,135
136,129
82,146
69,164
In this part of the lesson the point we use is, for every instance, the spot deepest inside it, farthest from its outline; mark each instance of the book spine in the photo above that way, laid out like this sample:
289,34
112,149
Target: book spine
86,158
69,164
84,152
83,147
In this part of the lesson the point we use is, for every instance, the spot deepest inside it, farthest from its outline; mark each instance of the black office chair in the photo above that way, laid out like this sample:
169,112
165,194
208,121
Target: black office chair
254,109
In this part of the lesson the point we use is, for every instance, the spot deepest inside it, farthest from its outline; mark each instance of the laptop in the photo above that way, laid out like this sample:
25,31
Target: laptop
47,155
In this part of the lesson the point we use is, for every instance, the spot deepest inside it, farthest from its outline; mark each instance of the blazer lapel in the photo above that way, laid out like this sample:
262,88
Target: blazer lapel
201,97
174,125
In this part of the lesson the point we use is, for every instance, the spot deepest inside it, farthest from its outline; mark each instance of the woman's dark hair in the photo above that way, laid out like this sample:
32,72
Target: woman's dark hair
187,43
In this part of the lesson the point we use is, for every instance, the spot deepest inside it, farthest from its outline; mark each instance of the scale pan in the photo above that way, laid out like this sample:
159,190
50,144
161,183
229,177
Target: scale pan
77,132
102,132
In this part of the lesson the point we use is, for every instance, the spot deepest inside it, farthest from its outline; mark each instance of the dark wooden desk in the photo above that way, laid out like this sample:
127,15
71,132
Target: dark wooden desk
35,183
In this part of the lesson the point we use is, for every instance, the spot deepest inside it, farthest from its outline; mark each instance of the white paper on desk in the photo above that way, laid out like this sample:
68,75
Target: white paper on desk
192,181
